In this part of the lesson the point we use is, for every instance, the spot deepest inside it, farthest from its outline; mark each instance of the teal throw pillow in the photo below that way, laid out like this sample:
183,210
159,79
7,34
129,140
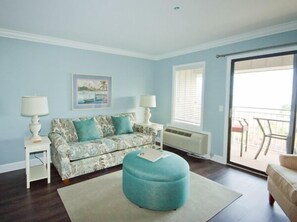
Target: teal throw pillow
122,125
86,130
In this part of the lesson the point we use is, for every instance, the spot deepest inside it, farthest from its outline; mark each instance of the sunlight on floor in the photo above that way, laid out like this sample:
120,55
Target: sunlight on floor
248,160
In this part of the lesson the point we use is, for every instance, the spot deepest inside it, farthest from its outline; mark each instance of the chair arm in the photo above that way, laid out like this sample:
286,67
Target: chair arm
241,121
146,129
60,144
288,161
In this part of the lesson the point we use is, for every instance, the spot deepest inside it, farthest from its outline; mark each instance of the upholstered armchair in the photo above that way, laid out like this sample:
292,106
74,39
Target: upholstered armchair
282,184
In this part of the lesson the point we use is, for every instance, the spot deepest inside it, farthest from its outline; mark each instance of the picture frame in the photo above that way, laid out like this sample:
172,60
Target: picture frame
91,91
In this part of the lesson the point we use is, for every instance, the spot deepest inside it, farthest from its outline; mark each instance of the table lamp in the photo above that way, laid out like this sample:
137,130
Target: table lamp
34,106
147,101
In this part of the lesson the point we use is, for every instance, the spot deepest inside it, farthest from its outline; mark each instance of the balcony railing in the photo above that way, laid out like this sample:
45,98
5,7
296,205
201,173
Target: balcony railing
255,134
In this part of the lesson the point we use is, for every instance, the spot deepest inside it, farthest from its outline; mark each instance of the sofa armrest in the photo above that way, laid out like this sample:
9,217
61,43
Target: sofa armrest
288,161
146,129
60,144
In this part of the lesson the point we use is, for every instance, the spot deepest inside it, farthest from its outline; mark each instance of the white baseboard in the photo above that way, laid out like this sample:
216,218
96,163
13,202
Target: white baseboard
21,164
218,159
18,165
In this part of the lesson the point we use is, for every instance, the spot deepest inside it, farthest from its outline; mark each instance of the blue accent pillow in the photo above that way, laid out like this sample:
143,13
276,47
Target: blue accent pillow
86,130
122,125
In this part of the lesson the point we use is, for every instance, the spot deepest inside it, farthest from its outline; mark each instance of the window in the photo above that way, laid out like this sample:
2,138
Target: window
188,96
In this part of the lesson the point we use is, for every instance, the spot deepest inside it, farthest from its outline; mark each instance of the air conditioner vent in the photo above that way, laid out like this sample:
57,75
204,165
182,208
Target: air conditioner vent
178,132
193,142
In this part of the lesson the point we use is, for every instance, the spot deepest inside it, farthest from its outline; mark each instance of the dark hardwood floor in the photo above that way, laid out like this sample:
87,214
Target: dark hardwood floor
42,202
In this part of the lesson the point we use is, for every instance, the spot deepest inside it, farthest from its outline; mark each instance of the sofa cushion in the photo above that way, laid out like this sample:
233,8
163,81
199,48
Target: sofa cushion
65,128
125,141
288,161
121,124
97,125
81,150
285,179
86,130
105,124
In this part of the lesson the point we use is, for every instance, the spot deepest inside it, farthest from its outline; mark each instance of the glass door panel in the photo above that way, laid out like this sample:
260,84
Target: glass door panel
260,104
295,140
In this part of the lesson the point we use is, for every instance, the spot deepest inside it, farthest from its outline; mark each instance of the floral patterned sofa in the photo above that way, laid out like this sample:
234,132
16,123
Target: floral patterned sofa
72,158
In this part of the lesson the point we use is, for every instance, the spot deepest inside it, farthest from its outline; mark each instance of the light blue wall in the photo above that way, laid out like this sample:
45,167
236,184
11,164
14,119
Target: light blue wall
215,83
28,68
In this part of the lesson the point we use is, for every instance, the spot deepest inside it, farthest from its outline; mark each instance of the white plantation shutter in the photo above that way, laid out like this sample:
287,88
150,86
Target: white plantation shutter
188,84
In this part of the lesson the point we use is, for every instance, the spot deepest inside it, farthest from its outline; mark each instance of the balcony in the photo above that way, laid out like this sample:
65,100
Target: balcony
255,136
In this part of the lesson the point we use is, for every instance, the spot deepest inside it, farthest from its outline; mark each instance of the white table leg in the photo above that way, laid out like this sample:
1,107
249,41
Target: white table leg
48,166
161,139
28,168
44,158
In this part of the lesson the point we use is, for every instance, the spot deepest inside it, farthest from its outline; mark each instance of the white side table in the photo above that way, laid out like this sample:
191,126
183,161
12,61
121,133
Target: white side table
42,171
159,128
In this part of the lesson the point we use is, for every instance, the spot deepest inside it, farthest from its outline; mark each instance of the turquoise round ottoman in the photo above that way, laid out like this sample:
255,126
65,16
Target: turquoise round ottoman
162,185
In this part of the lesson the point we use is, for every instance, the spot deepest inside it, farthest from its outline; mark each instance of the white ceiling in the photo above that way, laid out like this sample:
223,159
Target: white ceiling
149,28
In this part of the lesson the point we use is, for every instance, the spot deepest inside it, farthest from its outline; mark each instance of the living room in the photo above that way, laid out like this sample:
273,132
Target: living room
41,50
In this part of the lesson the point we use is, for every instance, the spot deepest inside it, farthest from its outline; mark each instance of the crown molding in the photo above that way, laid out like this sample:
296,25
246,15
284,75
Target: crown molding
69,43
97,48
285,27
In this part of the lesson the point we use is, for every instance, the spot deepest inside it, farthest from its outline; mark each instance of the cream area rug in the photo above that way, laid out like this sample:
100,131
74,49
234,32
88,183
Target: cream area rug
102,199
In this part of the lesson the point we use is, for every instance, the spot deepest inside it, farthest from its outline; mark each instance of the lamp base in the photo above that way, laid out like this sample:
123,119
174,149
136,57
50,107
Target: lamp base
36,139
35,127
147,116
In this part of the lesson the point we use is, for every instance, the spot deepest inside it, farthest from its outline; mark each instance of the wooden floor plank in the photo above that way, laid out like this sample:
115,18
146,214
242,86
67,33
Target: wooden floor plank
42,203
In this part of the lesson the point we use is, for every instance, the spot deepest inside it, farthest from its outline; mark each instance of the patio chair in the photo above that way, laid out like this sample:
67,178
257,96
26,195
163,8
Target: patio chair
267,133
241,126
282,184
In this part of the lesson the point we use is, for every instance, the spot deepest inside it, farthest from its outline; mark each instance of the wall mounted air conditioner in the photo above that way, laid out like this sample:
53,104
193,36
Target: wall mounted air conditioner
191,142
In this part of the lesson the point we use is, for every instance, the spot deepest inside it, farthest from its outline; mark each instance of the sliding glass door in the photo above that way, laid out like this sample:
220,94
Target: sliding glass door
292,141
262,119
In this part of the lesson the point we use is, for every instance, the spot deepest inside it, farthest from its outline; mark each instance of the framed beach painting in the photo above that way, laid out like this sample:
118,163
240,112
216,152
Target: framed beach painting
90,91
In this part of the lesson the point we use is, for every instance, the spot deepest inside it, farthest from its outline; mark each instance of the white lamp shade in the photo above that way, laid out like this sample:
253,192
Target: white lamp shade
148,101
34,105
